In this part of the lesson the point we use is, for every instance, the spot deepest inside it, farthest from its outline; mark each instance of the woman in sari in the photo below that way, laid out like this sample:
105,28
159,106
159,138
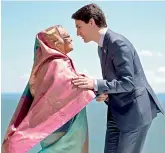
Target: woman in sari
51,110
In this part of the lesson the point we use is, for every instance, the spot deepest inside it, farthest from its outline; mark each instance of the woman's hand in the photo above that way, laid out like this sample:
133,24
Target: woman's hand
102,97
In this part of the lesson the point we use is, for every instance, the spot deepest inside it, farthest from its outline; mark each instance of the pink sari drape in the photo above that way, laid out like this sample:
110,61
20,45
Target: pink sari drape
55,100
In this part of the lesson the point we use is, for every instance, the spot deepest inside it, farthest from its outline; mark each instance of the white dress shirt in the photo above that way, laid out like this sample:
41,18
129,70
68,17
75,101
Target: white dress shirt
102,32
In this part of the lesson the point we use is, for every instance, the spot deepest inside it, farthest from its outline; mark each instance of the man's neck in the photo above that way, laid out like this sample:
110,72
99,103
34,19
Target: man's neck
98,34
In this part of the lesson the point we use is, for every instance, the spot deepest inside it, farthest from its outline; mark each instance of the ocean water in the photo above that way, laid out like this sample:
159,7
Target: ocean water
155,142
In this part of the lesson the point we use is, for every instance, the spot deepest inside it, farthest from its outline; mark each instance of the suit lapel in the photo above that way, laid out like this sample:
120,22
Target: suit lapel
104,51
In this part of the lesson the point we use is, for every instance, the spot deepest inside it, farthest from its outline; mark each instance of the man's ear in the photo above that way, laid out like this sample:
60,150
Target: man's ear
92,22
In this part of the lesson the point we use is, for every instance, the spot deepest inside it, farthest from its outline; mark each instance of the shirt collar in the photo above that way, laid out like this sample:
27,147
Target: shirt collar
102,32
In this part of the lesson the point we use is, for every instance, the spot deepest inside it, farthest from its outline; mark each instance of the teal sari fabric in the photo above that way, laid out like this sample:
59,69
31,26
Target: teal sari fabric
69,140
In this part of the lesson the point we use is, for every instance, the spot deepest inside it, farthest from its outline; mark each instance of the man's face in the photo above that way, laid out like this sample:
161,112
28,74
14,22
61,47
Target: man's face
83,30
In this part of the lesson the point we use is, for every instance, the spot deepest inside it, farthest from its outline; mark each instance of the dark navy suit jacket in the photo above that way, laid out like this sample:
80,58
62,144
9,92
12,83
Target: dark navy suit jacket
132,102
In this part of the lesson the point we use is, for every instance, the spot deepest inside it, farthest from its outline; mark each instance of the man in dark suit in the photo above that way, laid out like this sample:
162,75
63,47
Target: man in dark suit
132,104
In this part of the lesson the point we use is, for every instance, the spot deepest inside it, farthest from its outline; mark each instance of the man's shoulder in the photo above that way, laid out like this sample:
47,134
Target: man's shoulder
117,39
114,36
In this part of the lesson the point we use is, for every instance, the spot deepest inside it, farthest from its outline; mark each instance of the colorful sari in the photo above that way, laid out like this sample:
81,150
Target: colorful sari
51,110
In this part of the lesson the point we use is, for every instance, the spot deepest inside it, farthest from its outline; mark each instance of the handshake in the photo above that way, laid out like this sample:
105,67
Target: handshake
102,97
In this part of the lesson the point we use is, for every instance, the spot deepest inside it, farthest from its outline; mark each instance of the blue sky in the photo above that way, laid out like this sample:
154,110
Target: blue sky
143,23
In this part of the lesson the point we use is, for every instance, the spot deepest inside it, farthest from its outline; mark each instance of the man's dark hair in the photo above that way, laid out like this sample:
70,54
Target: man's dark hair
91,11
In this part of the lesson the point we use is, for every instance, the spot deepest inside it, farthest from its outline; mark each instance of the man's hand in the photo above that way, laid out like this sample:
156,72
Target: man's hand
102,97
83,82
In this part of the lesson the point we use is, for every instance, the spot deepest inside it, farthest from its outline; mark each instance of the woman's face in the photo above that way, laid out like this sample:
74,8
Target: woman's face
58,38
68,44
66,40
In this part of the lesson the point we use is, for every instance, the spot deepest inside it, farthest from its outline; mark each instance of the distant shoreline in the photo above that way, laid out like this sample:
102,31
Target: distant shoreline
161,96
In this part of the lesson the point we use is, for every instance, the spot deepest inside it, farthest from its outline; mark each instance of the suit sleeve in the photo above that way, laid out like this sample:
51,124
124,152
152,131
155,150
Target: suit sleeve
123,64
